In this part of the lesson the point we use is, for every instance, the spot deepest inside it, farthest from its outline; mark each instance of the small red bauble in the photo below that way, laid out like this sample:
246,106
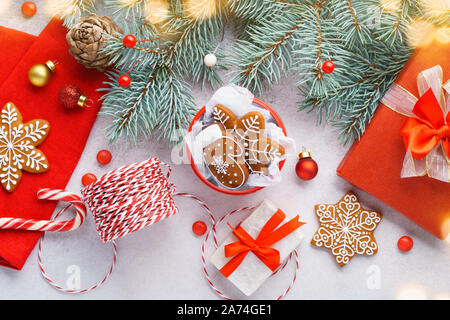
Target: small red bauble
88,178
129,41
71,97
124,81
405,243
104,157
29,8
328,66
306,167
199,228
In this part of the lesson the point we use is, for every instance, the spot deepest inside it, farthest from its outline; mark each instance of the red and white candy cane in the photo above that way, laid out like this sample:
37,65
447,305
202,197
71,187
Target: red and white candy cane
50,225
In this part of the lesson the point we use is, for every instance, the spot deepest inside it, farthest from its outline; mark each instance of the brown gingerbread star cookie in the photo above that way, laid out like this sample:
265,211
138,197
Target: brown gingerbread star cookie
225,159
346,229
18,142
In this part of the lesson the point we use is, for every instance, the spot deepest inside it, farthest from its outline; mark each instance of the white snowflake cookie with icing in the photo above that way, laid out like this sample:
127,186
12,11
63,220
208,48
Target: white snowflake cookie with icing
18,142
346,229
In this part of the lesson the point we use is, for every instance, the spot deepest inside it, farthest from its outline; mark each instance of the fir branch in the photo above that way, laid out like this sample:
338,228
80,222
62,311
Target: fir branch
159,102
262,58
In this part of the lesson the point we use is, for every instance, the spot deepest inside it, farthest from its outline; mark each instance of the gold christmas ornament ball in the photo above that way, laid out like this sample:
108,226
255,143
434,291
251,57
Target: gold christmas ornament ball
40,74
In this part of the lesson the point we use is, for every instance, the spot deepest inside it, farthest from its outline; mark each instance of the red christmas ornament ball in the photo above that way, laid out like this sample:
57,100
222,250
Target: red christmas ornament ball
306,167
199,228
405,243
29,8
124,81
88,178
129,41
104,157
328,66
69,96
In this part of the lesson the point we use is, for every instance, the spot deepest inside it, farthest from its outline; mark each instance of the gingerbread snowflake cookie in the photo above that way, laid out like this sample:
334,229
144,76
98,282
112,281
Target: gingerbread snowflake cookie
225,159
18,142
259,150
346,229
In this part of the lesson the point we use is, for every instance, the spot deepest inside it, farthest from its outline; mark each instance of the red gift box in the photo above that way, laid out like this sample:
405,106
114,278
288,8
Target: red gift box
375,162
68,134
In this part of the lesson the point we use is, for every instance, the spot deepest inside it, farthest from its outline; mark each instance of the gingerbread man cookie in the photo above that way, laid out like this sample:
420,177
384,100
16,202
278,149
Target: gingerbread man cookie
346,229
225,159
18,142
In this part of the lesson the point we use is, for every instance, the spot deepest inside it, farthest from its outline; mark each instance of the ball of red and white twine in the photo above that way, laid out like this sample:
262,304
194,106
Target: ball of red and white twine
122,201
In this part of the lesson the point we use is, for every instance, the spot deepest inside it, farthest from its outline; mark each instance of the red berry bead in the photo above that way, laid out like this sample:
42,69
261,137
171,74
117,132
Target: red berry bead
124,81
129,41
405,243
199,228
29,8
104,157
328,66
88,178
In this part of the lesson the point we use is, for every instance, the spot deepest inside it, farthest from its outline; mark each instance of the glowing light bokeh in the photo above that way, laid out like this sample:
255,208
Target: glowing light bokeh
60,8
4,4
200,9
156,11
436,7
442,296
443,35
411,292
445,228
129,3
390,5
421,33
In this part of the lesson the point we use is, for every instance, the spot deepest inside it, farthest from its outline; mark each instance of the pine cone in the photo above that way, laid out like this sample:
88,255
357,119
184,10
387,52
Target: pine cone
86,39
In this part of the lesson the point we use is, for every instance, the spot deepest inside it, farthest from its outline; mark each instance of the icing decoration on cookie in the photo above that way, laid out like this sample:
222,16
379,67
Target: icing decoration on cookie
225,116
346,229
250,125
17,146
225,159
259,150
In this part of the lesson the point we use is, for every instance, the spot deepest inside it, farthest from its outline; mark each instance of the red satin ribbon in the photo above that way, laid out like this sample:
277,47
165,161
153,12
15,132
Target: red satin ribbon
423,134
261,246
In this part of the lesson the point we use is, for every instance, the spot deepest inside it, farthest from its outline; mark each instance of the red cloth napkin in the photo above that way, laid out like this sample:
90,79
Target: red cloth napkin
69,130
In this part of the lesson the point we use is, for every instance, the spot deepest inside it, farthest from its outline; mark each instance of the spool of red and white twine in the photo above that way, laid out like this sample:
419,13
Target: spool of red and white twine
122,201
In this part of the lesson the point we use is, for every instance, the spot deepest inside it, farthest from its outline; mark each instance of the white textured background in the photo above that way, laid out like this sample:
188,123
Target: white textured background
163,261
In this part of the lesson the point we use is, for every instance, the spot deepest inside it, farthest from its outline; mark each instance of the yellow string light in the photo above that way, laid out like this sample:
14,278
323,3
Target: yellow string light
200,9
129,3
421,33
443,35
61,8
391,5
156,11
436,8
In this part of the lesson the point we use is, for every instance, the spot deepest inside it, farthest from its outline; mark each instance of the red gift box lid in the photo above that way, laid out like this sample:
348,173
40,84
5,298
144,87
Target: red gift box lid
374,163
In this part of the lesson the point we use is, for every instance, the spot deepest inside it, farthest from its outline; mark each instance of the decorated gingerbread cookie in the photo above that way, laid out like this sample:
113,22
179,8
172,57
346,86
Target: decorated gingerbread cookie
225,159
251,124
18,144
225,116
346,229
259,150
